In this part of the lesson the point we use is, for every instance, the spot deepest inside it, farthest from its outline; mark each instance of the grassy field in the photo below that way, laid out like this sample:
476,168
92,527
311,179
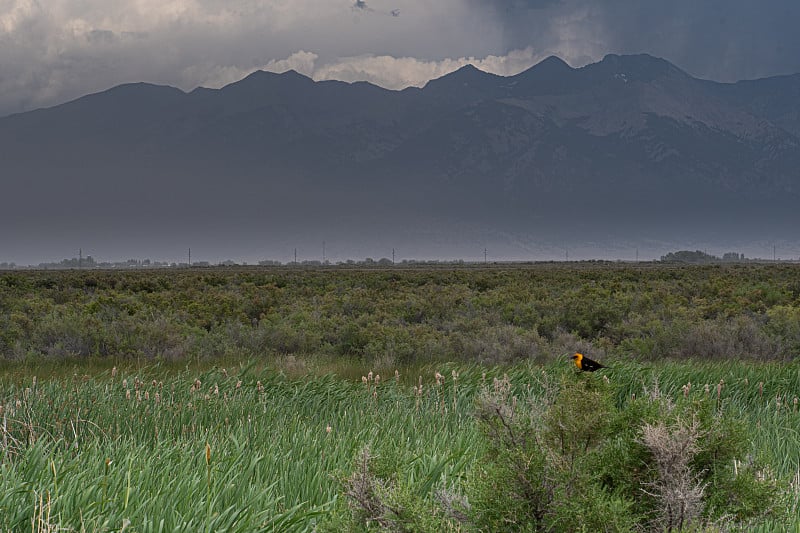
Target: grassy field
243,401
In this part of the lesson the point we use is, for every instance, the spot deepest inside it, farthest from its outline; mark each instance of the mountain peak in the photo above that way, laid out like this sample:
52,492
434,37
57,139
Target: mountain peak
636,67
469,74
552,75
553,63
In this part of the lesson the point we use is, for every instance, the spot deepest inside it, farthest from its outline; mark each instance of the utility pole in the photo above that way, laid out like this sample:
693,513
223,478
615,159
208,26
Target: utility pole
392,256
80,258
485,257
637,254
323,252
773,253
295,256
190,257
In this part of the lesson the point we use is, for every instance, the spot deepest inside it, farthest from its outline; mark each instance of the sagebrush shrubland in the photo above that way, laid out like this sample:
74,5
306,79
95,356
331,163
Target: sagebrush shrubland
490,315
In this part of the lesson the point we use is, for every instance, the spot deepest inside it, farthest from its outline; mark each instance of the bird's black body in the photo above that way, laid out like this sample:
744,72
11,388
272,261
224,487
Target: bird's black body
585,364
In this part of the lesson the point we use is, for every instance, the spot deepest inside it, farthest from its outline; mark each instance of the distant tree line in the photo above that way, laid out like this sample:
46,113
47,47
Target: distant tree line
699,257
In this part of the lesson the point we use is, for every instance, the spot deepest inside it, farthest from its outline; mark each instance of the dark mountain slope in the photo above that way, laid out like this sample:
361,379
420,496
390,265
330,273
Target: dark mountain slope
632,142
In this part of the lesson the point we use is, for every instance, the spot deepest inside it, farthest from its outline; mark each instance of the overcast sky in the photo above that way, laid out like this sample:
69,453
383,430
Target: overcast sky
52,51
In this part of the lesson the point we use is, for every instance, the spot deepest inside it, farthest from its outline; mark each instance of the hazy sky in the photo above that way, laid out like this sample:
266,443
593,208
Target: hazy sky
55,50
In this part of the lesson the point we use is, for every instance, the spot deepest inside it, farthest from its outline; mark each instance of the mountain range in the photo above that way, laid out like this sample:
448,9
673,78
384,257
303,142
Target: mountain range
627,152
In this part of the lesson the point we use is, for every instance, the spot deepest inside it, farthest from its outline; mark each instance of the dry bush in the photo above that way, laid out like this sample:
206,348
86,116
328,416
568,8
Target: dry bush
368,495
677,490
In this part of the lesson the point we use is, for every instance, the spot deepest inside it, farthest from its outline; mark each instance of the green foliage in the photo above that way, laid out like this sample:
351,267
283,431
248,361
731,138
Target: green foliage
578,462
410,316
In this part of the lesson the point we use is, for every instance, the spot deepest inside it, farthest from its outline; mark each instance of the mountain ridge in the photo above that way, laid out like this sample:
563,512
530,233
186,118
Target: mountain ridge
631,142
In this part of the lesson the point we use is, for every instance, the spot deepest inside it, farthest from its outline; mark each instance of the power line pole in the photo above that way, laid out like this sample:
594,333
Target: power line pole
323,252
190,257
295,256
80,258
485,257
392,256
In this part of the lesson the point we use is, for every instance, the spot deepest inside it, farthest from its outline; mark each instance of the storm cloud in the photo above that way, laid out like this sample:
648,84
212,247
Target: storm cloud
57,50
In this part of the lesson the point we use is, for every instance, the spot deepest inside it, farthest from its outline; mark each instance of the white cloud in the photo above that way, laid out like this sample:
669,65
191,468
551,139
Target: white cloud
400,72
216,76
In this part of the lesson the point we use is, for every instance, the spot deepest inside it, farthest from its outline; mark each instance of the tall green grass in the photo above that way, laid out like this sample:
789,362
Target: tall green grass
96,452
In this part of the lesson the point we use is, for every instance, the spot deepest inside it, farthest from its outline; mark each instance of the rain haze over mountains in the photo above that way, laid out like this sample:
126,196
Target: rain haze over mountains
565,129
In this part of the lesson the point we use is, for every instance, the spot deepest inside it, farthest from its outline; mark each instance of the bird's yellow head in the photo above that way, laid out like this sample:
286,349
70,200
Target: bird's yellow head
577,358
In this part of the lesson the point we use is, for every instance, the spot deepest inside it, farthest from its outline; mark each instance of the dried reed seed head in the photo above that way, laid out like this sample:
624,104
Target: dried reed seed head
33,381
127,394
157,398
18,403
454,374
114,372
124,383
208,454
224,372
369,376
239,384
216,389
377,378
155,384
363,379
108,462
259,386
147,396
328,429
396,375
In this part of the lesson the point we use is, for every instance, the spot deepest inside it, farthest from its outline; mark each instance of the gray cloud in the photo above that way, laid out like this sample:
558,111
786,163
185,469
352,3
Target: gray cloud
64,49
724,40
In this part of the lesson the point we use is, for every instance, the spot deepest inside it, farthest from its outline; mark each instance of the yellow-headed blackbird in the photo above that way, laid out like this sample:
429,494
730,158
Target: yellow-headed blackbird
585,364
